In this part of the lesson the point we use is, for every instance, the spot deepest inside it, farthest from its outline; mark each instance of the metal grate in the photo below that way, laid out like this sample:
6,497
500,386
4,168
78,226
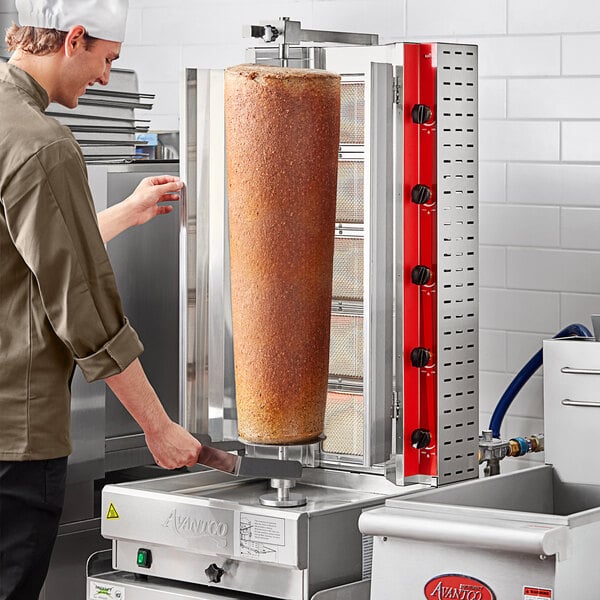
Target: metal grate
350,192
367,556
348,268
352,117
457,263
344,421
346,346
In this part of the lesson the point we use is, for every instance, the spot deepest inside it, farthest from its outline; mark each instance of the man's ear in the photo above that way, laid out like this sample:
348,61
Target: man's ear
75,40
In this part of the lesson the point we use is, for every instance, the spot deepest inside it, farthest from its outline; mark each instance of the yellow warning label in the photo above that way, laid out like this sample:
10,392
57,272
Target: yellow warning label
112,512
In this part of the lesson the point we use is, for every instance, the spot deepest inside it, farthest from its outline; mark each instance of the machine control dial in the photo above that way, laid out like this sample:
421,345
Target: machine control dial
420,438
421,275
420,194
214,573
421,113
419,356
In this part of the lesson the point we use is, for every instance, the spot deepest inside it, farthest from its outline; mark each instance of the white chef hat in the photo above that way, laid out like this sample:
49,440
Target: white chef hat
104,19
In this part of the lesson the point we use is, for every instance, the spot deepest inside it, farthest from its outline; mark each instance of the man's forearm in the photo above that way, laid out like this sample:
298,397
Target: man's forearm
114,220
136,394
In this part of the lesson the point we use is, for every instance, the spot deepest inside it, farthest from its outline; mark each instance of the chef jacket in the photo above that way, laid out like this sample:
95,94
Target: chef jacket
59,303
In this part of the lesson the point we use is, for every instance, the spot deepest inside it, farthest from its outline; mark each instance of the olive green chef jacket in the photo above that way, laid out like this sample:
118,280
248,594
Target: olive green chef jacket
59,303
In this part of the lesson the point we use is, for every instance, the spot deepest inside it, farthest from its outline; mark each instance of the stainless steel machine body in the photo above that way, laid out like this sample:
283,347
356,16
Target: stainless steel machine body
530,534
211,529
205,530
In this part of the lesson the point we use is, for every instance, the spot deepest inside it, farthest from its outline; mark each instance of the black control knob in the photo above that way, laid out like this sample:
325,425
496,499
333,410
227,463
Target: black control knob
420,194
421,275
214,573
420,356
421,113
420,438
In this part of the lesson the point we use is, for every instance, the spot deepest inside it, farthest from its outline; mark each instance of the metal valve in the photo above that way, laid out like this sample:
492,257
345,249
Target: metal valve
214,573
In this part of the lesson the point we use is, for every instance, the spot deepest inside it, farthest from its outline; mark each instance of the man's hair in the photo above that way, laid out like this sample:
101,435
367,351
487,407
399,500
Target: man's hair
39,41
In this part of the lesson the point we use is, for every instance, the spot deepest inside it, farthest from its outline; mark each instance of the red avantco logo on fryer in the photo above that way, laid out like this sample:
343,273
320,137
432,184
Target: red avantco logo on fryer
457,587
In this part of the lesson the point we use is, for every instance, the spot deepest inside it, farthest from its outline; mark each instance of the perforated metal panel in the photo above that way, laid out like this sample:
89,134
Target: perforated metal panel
348,268
350,192
457,262
344,424
352,118
346,346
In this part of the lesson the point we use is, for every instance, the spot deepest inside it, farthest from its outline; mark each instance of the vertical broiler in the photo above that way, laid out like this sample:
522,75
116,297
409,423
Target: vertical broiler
401,382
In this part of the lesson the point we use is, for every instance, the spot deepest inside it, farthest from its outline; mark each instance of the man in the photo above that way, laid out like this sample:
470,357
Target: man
59,304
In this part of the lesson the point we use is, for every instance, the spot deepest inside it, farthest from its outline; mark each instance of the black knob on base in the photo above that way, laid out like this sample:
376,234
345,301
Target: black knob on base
214,573
420,356
420,438
421,113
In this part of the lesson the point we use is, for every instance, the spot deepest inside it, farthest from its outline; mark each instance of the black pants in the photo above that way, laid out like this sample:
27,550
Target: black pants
31,500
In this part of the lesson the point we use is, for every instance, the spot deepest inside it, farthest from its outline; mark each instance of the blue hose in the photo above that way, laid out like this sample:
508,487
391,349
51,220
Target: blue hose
522,377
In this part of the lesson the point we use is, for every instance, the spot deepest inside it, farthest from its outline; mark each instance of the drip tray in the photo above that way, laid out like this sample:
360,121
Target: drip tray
318,497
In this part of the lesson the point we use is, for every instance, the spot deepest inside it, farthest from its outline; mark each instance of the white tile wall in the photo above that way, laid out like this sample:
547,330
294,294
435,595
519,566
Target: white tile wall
580,141
519,310
492,182
539,141
492,266
519,140
510,225
553,16
554,184
580,54
540,269
459,17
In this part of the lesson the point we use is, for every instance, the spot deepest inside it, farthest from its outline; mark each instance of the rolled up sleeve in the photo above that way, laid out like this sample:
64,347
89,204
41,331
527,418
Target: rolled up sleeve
52,222
114,356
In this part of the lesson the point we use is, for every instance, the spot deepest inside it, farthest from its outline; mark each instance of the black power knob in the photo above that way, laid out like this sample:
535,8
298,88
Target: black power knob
420,194
214,573
420,356
421,113
420,438
421,275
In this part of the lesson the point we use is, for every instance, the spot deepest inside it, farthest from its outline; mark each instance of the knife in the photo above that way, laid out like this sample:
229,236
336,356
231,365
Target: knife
249,466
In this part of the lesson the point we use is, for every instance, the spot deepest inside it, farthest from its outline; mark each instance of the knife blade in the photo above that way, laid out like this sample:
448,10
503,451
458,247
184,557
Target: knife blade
249,466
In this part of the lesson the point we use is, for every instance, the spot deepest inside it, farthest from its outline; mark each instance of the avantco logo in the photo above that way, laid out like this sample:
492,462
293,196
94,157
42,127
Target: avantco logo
457,587
192,527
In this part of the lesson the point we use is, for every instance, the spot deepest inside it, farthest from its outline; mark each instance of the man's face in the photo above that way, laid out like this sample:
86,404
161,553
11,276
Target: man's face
86,67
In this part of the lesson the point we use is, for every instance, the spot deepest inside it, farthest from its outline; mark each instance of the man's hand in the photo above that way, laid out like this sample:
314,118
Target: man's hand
144,204
173,447
145,201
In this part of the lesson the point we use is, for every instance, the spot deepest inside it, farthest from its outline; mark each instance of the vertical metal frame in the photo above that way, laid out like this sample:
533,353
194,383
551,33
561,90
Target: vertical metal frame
219,369
199,111
188,387
457,271
377,380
